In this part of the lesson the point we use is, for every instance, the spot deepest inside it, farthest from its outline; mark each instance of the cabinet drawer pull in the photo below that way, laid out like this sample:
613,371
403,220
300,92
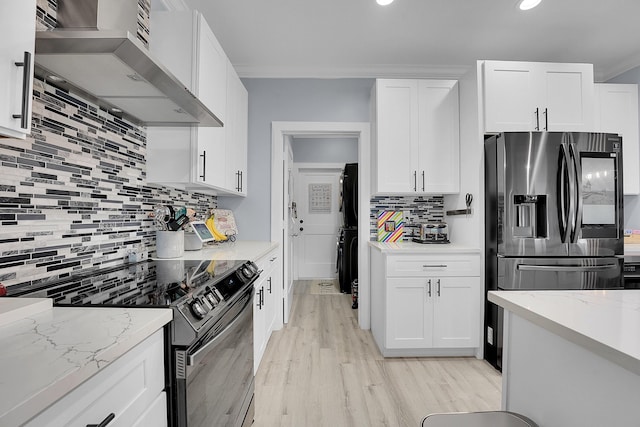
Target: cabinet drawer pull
104,422
26,95
435,266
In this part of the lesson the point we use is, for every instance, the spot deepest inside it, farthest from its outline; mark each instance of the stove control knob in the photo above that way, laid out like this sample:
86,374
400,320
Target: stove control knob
246,272
213,301
197,309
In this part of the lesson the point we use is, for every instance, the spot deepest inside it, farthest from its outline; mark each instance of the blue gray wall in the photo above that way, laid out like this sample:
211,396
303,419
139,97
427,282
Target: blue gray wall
631,203
307,100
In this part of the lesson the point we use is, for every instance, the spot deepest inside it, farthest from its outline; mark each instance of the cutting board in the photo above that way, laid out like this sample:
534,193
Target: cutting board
390,226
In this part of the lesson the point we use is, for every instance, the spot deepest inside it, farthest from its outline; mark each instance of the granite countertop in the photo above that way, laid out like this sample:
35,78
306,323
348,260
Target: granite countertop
412,248
239,250
606,322
47,354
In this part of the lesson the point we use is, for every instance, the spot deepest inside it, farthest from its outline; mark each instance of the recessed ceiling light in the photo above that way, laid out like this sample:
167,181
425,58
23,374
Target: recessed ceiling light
384,2
528,4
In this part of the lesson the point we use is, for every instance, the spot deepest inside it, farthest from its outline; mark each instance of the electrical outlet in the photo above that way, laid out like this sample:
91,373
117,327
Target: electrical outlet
490,335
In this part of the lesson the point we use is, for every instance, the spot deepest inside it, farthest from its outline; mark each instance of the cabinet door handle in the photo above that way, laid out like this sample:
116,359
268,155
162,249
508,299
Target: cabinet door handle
546,119
104,422
26,73
415,180
269,280
434,266
204,165
438,287
429,288
537,119
422,180
258,294
262,296
241,181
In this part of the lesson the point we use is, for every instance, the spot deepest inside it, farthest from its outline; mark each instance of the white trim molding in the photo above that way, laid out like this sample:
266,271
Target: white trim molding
359,130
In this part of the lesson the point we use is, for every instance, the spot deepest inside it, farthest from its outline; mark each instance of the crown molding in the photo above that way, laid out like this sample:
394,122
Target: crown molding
370,71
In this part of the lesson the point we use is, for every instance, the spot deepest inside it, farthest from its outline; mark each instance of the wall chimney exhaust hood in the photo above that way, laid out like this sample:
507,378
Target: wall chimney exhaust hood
114,69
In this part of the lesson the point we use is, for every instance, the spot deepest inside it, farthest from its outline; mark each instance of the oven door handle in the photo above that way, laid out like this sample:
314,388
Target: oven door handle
194,358
569,268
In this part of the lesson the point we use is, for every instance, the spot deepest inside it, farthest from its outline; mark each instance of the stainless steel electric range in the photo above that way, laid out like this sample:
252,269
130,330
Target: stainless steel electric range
209,343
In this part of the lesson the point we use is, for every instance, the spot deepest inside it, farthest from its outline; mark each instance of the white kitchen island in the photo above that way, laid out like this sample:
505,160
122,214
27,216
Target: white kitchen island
572,358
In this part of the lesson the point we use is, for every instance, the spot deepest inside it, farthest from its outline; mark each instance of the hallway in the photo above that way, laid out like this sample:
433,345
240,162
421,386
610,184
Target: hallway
322,370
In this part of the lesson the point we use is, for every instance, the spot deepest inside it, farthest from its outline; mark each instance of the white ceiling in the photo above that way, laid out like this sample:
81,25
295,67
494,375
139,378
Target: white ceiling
358,38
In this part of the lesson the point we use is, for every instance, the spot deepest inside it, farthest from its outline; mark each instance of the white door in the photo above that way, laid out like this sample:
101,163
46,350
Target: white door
317,199
289,238
397,135
439,149
456,313
569,98
409,312
510,97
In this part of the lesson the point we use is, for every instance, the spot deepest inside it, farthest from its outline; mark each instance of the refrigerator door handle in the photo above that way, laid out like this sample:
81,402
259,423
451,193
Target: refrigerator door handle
563,214
577,195
574,268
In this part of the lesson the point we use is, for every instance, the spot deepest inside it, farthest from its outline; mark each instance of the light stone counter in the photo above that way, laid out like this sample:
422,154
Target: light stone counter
426,248
606,322
571,358
46,355
239,250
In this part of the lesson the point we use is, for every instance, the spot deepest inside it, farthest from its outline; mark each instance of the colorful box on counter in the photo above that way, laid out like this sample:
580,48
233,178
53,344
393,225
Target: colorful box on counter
390,226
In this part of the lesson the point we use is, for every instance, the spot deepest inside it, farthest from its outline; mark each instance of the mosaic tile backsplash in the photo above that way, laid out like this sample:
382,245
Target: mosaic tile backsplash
417,209
74,195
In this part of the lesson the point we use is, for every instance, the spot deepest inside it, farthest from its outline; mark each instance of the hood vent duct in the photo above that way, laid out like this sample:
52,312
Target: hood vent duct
96,52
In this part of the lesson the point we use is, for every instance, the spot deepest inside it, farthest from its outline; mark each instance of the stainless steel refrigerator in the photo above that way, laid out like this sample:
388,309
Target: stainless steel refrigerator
553,217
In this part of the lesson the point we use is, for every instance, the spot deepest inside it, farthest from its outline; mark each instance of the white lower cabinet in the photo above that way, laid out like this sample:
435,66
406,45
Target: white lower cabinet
129,390
267,302
431,308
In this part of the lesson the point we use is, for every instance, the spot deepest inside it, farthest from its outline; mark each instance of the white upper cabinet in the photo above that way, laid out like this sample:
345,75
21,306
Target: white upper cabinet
17,40
537,96
211,69
236,134
416,136
205,159
185,44
617,112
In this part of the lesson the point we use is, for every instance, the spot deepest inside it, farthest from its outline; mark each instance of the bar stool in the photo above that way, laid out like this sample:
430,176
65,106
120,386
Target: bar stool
478,419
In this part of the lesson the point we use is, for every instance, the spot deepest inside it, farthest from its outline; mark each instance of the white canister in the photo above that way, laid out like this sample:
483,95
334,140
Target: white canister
169,244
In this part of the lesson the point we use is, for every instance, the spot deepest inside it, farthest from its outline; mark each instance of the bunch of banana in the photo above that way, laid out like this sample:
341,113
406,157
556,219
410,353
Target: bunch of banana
211,267
211,225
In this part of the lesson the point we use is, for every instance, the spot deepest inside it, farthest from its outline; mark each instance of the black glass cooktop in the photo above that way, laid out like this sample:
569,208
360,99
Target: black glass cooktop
158,283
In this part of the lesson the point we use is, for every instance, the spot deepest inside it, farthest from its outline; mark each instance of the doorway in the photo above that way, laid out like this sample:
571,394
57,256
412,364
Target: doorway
281,207
317,197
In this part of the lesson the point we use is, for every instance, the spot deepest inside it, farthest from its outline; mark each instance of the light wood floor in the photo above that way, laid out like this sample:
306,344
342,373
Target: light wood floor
322,370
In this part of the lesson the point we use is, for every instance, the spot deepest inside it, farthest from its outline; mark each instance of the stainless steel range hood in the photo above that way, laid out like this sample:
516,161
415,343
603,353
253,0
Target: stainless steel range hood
114,69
